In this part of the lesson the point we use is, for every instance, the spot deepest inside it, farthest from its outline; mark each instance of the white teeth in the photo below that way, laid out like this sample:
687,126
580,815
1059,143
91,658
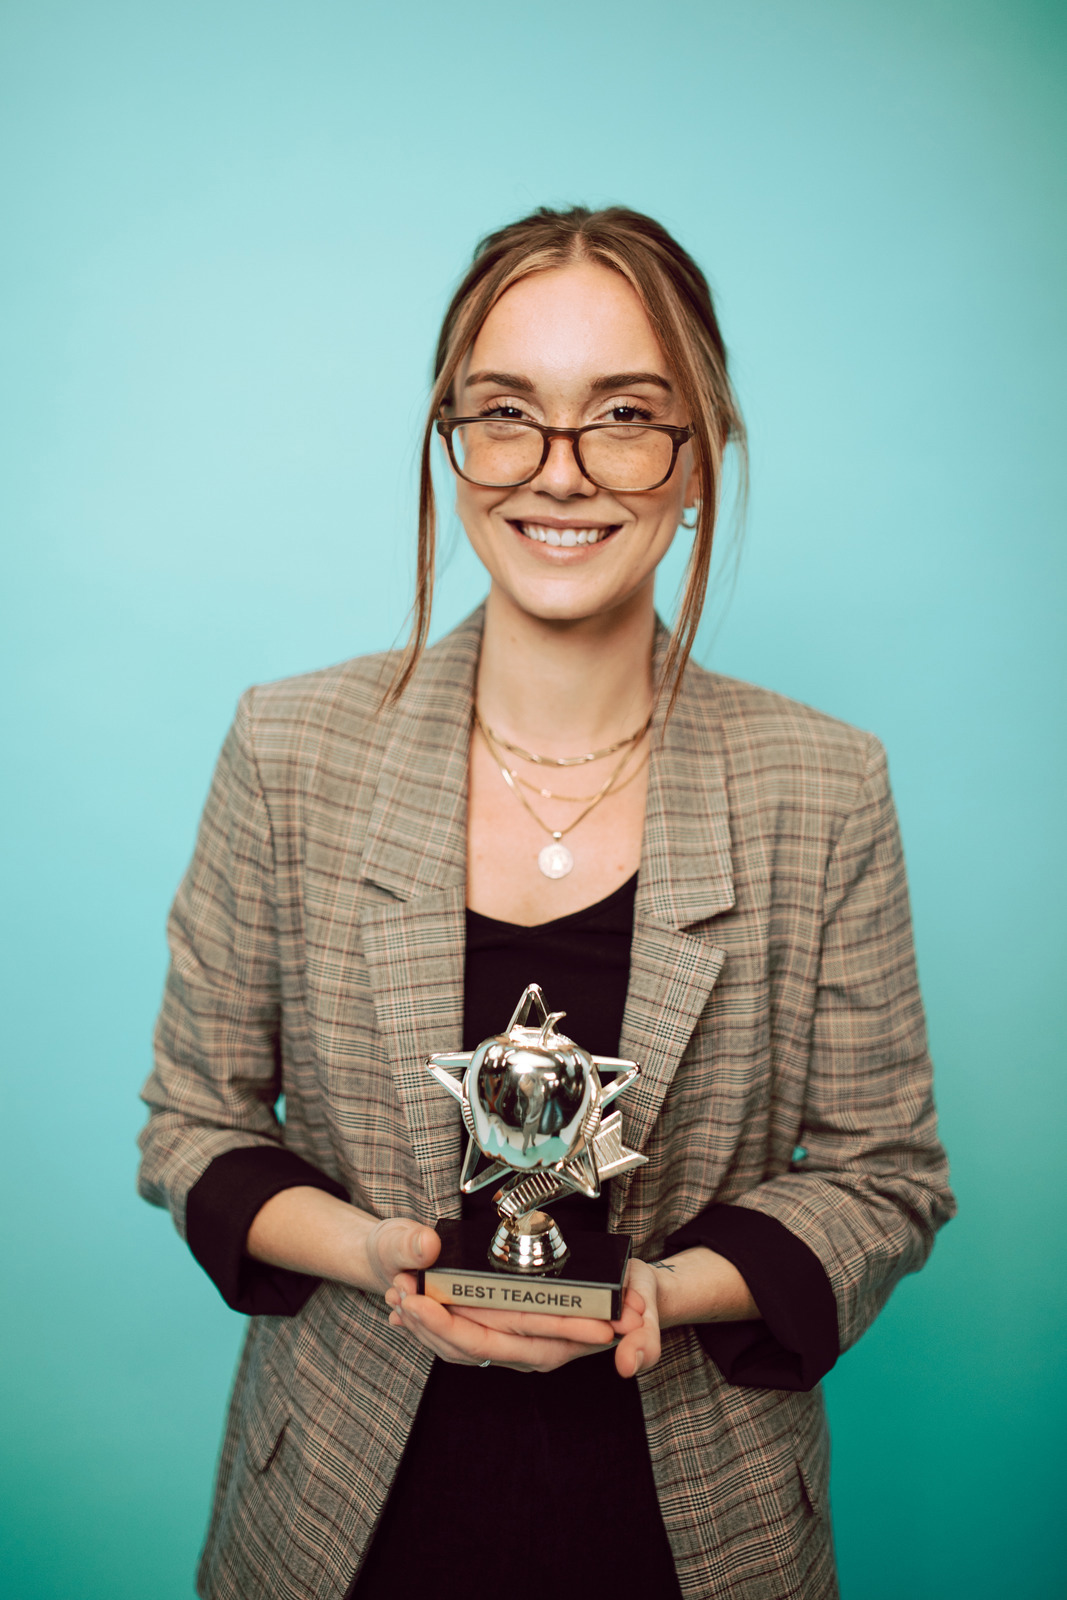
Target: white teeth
566,538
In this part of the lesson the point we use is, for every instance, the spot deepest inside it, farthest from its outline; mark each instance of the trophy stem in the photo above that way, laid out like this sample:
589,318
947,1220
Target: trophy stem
532,1243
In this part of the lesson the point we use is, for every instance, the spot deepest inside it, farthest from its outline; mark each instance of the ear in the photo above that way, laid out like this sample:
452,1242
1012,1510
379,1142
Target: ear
692,489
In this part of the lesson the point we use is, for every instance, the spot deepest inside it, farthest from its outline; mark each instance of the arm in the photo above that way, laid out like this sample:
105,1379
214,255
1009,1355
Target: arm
216,1078
790,1273
871,1188
697,1286
264,1223
689,1287
758,1296
267,1226
304,1230
821,1246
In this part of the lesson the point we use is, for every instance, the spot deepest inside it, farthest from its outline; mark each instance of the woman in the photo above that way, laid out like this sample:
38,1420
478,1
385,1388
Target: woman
706,877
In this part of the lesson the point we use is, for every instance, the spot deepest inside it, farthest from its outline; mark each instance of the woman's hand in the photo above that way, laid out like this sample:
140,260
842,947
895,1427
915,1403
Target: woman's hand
310,1231
694,1286
525,1341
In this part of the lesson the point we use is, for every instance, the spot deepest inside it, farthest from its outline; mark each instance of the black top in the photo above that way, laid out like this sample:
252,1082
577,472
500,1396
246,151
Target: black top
575,1432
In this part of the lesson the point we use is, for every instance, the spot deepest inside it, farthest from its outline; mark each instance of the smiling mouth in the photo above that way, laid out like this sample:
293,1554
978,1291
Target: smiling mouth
564,538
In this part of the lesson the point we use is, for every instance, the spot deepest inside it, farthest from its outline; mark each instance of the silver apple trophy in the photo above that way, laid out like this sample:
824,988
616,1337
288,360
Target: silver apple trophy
533,1104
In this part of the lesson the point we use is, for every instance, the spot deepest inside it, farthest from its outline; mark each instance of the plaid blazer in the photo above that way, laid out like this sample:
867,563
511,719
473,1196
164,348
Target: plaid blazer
318,951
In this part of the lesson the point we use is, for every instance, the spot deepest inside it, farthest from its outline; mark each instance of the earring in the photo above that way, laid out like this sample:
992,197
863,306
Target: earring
696,516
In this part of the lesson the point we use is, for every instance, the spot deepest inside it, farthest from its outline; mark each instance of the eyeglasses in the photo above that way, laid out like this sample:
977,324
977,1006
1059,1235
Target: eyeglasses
495,453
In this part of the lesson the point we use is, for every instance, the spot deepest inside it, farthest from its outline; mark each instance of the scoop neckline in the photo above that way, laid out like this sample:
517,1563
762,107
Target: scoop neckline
625,890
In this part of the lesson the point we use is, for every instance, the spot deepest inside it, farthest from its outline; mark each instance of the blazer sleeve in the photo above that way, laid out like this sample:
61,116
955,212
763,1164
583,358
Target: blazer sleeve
217,1075
868,1186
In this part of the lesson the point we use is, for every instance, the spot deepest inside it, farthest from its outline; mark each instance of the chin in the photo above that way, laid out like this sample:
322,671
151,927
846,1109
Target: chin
556,602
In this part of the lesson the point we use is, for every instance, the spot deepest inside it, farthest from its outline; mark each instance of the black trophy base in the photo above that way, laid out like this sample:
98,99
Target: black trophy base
589,1282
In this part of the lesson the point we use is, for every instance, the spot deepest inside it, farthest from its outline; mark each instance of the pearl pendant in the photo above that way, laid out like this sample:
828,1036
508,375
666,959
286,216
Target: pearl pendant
555,860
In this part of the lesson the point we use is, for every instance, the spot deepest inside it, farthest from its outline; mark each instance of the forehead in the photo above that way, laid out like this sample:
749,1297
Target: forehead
577,321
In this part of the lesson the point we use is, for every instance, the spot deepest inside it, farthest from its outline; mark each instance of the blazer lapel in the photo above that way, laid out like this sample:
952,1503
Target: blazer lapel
685,879
413,919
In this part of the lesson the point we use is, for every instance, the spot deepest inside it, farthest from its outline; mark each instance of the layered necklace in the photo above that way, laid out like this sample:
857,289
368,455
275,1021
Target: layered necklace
555,859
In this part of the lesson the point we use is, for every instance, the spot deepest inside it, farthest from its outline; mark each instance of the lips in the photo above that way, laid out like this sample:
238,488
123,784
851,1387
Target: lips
563,538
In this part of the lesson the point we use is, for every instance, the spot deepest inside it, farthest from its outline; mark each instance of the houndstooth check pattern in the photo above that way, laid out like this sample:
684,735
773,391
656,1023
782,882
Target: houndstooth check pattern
317,943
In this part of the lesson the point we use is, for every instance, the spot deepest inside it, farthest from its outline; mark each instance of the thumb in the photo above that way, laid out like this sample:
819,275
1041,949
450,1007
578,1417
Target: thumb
417,1248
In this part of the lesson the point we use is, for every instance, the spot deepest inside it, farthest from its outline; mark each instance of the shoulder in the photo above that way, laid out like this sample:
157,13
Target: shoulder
311,740
327,726
347,697
316,733
782,748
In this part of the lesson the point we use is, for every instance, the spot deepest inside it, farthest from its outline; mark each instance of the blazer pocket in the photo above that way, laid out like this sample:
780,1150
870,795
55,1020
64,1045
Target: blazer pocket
809,1489
266,1424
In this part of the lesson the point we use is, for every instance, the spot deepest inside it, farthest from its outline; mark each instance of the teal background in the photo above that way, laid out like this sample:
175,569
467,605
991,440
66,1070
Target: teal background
229,231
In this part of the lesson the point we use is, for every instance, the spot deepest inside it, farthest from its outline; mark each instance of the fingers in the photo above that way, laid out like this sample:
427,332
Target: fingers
538,1325
525,1340
629,1358
428,1322
629,1322
592,1333
632,1297
463,1339
639,1348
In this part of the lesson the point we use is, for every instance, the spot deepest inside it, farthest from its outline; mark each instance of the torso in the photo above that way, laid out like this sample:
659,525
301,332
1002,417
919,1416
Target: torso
583,963
503,840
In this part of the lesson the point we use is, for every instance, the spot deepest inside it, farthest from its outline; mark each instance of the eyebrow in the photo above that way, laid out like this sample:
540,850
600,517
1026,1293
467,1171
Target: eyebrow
614,380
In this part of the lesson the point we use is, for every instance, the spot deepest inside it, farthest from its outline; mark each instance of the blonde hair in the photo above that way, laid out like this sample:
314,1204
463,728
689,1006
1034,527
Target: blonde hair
677,300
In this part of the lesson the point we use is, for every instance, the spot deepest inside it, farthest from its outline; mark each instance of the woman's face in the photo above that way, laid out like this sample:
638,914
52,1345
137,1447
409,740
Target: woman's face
565,347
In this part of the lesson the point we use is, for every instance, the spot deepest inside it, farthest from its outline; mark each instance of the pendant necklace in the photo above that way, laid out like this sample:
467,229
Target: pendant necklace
555,860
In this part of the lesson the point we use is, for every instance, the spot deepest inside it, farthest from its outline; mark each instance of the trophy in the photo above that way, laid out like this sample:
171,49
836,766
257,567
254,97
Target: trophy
532,1103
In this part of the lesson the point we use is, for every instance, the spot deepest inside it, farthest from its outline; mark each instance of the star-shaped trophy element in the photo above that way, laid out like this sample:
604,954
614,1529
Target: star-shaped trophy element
532,1102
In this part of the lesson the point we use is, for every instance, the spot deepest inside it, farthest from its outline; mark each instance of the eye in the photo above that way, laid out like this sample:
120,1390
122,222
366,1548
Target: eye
628,413
507,413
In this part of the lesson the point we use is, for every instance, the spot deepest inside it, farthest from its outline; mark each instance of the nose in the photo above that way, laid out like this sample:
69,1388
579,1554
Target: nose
561,476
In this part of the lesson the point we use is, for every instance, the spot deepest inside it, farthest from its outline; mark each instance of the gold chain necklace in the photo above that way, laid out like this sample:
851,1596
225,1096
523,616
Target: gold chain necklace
574,799
563,761
555,860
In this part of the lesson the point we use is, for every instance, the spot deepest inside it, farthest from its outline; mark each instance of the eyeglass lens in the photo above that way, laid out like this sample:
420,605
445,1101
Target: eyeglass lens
498,453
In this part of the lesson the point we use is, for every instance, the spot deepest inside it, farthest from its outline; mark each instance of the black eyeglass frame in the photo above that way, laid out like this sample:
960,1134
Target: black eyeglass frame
678,436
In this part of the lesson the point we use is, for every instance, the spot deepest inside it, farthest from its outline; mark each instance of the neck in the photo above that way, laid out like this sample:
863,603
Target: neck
566,687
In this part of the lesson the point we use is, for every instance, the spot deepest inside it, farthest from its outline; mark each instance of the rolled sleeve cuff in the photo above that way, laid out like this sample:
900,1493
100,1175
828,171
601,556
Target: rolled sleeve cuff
219,1212
794,1342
